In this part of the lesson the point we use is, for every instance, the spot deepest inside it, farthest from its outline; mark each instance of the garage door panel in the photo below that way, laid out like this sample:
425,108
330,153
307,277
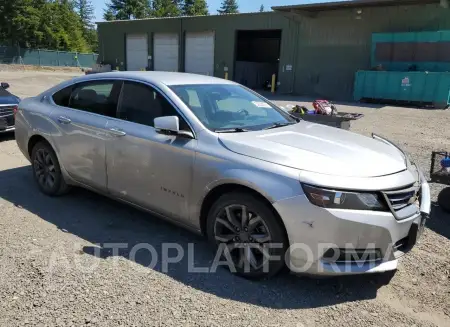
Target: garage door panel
137,51
166,47
200,53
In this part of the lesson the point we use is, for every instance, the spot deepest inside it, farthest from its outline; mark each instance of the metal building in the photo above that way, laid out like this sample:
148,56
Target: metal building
314,49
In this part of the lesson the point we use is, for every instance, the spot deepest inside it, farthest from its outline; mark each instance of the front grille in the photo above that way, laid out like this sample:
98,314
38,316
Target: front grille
6,116
7,110
399,199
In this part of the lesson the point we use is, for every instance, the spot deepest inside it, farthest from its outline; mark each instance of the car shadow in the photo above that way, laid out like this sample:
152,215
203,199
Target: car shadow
440,221
9,136
100,220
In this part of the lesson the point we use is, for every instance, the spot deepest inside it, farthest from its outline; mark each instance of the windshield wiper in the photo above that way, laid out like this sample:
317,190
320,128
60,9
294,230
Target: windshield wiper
276,125
232,130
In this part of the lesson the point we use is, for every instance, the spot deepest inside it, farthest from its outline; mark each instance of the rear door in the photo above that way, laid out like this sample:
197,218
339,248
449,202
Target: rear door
81,115
146,167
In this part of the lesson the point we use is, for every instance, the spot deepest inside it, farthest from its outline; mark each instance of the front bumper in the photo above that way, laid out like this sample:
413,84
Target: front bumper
313,230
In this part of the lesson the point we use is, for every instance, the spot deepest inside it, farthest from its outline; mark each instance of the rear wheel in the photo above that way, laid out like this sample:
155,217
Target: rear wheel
444,199
248,235
47,171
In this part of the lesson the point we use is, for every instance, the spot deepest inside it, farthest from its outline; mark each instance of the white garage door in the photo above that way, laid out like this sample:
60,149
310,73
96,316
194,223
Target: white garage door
165,52
137,51
200,53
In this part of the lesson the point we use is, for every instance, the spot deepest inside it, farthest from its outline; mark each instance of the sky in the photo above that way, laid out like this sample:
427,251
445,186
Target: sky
213,5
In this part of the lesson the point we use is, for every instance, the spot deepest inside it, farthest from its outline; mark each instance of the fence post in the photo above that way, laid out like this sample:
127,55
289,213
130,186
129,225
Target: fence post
39,57
57,56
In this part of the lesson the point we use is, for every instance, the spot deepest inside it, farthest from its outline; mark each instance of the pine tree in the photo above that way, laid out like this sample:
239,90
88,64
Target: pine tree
85,11
126,9
195,8
108,15
229,7
166,8
261,9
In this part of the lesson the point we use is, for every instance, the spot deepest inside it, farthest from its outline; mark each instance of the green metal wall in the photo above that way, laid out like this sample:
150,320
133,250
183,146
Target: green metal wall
112,38
335,45
324,51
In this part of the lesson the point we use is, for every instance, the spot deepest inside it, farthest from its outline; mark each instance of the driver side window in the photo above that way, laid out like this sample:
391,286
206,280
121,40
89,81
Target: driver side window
141,104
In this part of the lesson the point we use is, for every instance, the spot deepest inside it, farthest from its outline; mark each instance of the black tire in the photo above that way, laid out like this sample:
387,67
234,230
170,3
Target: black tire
47,171
444,199
263,228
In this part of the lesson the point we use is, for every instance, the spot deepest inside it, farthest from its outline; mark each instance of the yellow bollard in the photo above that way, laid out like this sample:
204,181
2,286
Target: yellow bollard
226,75
274,77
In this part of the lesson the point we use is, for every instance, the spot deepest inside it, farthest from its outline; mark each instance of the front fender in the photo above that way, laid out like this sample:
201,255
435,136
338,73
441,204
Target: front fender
273,182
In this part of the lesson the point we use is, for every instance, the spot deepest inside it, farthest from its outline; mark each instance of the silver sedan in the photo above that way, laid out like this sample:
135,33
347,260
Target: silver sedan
267,189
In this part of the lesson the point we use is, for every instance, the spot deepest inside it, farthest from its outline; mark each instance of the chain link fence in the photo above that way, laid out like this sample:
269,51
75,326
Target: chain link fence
38,57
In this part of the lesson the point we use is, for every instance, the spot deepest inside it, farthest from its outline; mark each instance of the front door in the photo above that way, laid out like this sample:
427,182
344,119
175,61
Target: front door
145,167
81,116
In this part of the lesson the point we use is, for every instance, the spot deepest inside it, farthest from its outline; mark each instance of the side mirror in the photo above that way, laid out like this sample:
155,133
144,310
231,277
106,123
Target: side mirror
4,85
170,125
167,124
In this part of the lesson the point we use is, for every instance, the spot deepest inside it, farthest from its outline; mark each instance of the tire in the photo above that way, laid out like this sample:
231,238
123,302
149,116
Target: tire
47,171
444,199
241,242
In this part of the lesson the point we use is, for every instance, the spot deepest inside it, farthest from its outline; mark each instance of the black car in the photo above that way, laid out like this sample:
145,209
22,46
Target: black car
8,106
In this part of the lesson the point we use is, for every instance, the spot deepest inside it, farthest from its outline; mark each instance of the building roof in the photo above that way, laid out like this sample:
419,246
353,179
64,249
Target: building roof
185,17
354,4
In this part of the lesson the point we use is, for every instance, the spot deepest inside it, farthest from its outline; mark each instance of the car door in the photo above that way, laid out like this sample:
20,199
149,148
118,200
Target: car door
148,168
81,115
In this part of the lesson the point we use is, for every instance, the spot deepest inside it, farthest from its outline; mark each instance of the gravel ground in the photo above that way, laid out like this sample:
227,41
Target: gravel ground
49,275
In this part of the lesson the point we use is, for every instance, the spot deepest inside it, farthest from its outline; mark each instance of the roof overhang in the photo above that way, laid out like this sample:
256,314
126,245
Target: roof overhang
312,9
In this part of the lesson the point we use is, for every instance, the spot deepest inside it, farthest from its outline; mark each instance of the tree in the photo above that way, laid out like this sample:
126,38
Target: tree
126,9
41,24
195,8
261,9
166,8
229,7
85,11
108,15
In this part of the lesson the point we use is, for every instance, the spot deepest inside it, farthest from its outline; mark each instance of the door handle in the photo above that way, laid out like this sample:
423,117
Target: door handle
117,132
64,120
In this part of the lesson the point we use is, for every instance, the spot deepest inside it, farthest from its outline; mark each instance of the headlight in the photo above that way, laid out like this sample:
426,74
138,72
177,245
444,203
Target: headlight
334,199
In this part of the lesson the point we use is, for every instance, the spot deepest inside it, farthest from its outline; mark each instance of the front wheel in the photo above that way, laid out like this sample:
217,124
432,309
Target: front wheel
47,171
248,235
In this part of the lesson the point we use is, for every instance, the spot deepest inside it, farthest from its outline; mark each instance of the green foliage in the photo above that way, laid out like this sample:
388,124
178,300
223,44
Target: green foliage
261,9
126,9
229,7
85,11
195,8
166,8
45,24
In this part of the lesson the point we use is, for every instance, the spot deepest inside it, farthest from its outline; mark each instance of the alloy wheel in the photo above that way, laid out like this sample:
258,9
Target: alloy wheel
44,168
245,235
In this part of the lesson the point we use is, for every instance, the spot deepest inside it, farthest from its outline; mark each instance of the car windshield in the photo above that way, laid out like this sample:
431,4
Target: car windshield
228,108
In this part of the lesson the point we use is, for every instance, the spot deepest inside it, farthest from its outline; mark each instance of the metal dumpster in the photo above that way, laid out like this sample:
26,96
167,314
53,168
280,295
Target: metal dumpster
419,87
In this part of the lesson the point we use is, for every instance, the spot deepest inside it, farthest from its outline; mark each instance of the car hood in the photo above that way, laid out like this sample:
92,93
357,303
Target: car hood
8,98
318,148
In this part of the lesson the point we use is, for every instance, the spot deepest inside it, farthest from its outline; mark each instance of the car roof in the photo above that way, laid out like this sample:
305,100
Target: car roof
167,78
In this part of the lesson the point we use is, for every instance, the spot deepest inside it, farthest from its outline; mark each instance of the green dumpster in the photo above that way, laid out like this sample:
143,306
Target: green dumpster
419,87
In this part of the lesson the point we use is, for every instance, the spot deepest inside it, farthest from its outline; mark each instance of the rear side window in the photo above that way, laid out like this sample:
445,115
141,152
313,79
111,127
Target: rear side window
99,97
142,104
62,97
